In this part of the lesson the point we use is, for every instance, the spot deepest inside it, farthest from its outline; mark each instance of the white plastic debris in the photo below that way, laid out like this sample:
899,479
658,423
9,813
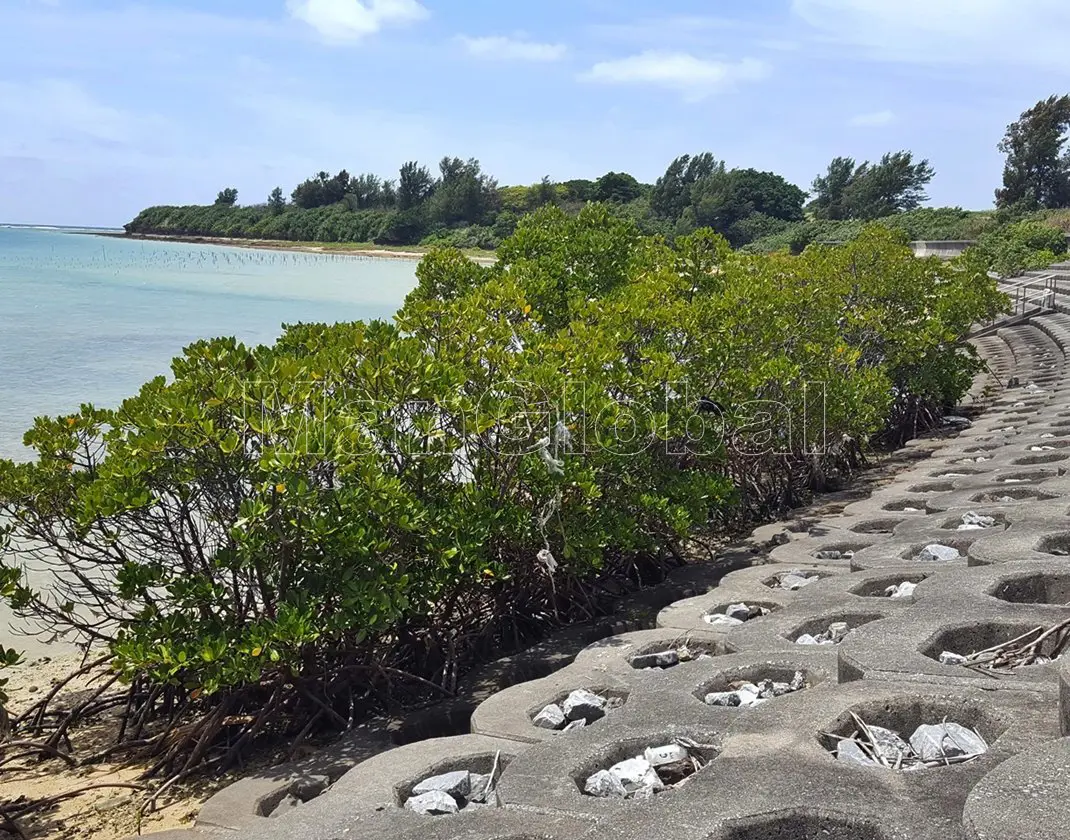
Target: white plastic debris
949,658
946,740
795,580
937,553
838,630
636,774
667,754
973,521
901,592
605,785
721,620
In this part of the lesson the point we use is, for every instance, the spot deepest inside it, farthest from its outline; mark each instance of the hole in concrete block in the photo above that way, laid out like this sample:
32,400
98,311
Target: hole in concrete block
971,639
1048,445
781,676
1026,477
974,521
1036,588
962,472
877,526
1011,494
931,552
1058,545
479,767
1061,424
839,551
673,651
878,587
800,825
743,612
819,628
991,447
791,580
933,487
907,506
1043,458
566,717
648,752
904,714
972,459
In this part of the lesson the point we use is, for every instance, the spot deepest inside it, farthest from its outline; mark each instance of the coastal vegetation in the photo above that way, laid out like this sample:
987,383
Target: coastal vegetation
280,540
462,206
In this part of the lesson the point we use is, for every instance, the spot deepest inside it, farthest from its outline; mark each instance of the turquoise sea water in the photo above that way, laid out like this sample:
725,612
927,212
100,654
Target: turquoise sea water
90,318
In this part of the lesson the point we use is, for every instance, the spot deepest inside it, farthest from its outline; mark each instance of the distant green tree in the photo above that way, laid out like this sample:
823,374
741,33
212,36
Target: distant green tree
895,185
542,193
616,187
227,197
322,190
871,191
415,185
672,191
464,194
276,201
365,191
578,190
1037,171
830,190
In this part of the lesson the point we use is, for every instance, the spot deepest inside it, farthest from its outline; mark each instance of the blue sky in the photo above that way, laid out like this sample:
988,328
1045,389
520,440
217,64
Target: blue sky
107,106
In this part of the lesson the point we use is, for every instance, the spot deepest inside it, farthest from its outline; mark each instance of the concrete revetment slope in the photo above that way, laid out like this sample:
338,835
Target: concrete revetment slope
771,772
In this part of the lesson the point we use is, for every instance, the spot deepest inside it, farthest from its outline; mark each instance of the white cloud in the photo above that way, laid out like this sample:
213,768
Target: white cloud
873,120
510,49
340,21
695,78
941,31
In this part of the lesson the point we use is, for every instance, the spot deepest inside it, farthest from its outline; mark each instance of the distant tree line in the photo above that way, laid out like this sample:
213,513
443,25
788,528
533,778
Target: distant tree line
462,206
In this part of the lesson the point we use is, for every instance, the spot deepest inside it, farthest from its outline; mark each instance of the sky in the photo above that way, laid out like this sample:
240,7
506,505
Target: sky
108,106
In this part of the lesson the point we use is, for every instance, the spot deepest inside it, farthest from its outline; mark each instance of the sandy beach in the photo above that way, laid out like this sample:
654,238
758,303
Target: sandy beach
342,248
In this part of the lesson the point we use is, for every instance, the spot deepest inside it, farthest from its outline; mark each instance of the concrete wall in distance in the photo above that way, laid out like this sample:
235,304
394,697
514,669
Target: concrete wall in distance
945,249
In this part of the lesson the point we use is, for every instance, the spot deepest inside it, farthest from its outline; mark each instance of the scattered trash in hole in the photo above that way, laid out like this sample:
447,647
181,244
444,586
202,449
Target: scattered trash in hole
833,554
795,580
654,770
931,746
1002,500
937,553
1041,448
581,708
450,793
668,658
833,636
735,614
901,591
1020,652
746,695
976,522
